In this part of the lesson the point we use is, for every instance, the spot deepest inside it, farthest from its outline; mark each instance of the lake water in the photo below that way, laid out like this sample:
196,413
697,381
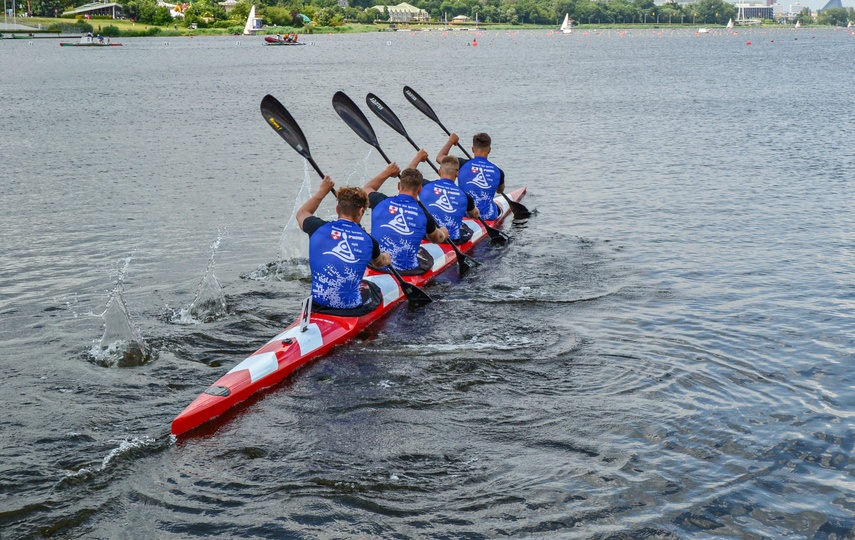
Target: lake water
664,351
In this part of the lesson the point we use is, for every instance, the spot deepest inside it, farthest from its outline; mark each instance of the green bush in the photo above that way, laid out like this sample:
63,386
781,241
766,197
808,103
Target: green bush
222,24
79,27
110,31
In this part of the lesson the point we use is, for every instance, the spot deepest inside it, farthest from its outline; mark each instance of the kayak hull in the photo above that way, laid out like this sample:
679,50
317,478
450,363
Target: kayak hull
293,348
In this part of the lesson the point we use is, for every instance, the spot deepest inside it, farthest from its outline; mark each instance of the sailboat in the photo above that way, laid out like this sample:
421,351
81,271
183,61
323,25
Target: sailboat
253,23
566,26
798,24
730,24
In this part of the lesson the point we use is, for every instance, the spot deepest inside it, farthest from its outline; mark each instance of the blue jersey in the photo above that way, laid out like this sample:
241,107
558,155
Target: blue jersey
339,253
447,203
399,225
480,178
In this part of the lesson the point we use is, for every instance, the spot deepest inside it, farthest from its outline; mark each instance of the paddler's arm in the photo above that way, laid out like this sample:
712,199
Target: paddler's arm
433,232
501,187
472,210
311,206
421,157
378,259
452,140
375,183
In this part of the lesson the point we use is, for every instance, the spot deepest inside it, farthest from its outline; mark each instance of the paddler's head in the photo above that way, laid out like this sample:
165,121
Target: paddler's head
481,144
448,168
352,202
410,182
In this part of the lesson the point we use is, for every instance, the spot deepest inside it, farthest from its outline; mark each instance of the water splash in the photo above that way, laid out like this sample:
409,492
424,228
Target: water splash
293,262
121,345
210,302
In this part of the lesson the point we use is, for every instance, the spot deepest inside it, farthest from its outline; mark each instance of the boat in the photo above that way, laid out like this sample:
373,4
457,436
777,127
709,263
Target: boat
314,335
89,41
253,23
702,31
566,26
798,24
729,24
276,40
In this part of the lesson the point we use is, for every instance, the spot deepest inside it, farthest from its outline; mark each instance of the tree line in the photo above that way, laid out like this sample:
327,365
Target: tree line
542,12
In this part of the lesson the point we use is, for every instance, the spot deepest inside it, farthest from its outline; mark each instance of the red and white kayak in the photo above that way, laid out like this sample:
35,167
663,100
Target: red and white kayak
292,348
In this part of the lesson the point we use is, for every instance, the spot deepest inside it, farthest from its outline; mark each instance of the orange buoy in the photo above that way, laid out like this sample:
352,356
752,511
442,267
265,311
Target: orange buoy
748,43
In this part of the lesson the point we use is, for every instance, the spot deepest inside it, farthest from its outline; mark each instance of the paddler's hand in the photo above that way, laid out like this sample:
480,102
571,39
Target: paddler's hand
326,186
453,139
443,231
383,260
422,155
391,170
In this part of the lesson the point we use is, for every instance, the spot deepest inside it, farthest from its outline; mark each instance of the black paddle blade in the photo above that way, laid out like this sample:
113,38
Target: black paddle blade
496,236
519,210
385,113
420,104
415,296
283,123
464,262
353,117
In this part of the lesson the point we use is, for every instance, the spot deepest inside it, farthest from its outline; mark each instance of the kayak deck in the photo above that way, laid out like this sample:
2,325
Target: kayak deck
293,348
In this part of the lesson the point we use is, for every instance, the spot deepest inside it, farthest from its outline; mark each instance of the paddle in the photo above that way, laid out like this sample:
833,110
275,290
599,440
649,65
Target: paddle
519,209
385,113
353,117
284,124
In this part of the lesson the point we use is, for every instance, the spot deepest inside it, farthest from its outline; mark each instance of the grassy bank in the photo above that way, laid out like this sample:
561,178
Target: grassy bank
132,29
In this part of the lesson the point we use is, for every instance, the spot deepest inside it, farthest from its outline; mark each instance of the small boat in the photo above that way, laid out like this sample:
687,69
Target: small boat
306,340
566,26
278,40
798,24
89,41
729,24
702,31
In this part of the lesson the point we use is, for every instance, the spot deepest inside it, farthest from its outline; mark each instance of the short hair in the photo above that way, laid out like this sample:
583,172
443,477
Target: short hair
449,165
481,140
351,199
411,179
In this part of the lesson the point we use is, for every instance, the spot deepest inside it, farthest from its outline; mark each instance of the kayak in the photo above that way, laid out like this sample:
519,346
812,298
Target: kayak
301,343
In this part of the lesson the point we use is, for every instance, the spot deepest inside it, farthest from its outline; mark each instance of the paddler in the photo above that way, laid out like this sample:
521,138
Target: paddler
339,253
399,223
478,176
448,203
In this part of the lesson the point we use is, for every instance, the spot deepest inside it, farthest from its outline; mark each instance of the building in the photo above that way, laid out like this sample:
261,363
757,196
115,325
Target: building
833,4
405,13
112,10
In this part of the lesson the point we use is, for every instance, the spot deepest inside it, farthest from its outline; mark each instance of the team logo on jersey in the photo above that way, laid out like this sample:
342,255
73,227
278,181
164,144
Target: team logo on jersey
342,250
443,202
399,225
393,209
335,235
480,180
437,191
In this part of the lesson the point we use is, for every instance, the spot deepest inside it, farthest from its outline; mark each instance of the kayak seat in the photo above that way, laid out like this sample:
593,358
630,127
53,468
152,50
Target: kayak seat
465,235
372,298
425,263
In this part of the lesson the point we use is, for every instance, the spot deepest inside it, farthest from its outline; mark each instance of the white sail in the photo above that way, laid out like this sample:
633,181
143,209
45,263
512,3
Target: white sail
566,27
250,28
730,24
798,24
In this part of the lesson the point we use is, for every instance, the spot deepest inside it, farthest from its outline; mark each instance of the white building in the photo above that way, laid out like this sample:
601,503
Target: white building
405,13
